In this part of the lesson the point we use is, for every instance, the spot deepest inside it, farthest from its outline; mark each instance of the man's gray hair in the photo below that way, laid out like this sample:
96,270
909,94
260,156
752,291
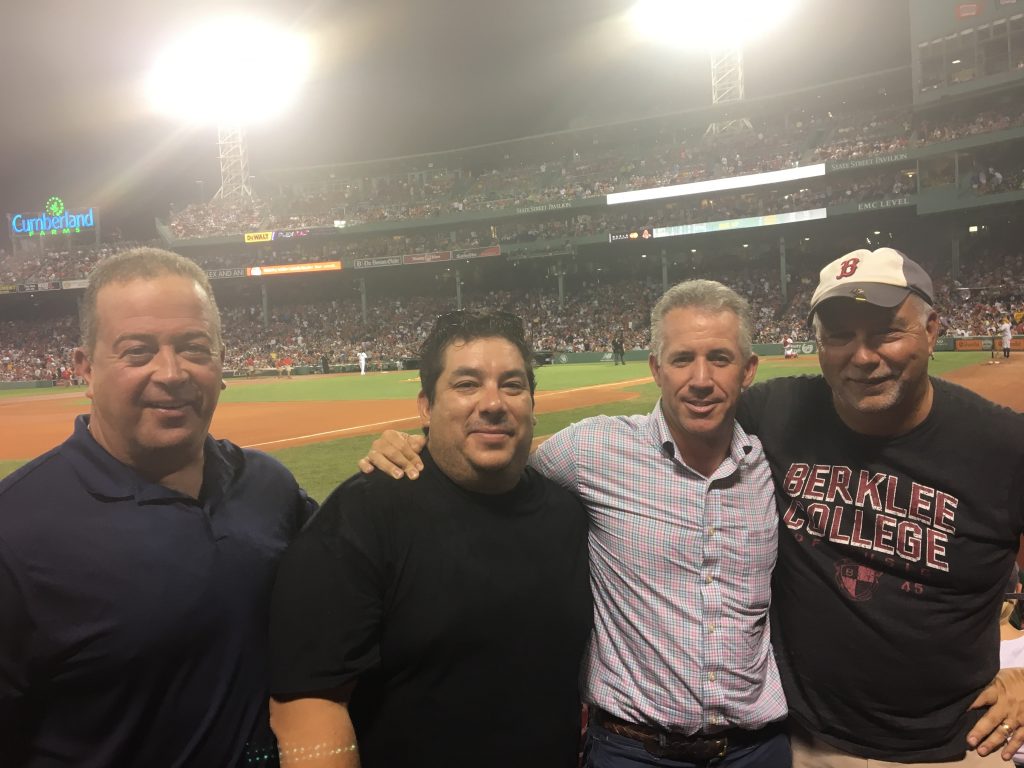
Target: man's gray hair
707,295
140,264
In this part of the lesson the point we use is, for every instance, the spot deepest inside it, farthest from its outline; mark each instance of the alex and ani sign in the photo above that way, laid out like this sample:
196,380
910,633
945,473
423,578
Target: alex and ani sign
54,220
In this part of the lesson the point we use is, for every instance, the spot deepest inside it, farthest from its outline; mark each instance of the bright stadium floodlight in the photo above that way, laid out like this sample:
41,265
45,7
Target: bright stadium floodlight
721,27
231,72
237,70
708,24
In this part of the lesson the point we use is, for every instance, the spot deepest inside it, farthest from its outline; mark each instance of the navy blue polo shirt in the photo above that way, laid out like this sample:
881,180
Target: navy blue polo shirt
134,619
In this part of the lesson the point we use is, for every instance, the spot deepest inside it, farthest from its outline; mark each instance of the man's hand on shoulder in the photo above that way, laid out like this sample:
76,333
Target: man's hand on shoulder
1001,729
396,453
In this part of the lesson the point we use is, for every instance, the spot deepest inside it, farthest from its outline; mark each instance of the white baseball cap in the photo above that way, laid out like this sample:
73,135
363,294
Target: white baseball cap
884,277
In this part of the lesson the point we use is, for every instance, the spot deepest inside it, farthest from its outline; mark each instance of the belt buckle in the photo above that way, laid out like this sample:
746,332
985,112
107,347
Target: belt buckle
711,749
660,748
723,747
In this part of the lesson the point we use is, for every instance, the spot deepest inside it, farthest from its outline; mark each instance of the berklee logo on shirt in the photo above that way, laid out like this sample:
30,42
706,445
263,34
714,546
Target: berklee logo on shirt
863,510
857,580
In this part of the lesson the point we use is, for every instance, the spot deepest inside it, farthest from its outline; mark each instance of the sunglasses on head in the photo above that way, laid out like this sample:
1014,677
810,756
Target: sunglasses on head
463,318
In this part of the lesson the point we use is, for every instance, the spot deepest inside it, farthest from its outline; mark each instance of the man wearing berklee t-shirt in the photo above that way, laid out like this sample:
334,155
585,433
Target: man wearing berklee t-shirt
902,508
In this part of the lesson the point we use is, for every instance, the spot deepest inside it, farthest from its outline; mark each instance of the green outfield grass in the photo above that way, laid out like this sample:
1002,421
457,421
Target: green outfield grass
403,385
319,467
6,467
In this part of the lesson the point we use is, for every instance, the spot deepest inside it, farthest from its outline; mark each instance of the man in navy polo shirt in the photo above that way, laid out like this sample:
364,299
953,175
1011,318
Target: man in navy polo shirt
136,558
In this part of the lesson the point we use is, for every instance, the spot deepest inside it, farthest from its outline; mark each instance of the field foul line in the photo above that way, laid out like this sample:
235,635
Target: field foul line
332,432
407,419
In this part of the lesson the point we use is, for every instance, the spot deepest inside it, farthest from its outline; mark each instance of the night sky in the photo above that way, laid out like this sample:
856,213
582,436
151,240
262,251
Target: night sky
396,77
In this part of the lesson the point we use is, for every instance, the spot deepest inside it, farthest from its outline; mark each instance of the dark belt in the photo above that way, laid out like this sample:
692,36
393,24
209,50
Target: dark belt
678,746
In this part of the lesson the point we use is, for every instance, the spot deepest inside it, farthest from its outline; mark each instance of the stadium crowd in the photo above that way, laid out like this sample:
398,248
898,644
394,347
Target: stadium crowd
988,289
773,144
58,264
968,124
851,188
668,159
593,163
589,318
38,351
856,135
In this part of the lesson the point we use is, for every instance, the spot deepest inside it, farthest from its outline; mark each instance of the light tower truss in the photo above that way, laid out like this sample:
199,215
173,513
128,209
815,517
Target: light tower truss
233,150
727,87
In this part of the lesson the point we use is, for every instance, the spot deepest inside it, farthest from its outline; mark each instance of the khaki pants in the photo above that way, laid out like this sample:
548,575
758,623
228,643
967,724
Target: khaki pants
809,752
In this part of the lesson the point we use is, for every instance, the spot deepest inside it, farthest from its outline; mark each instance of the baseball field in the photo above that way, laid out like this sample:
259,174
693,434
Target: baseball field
319,426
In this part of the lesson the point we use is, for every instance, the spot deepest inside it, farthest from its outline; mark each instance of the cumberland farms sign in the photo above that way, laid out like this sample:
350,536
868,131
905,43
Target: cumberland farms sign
54,220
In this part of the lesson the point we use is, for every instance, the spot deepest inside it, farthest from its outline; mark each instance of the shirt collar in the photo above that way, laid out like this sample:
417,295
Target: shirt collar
107,478
742,449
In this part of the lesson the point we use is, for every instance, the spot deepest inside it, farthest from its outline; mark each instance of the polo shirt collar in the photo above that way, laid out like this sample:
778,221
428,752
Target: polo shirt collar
741,449
105,477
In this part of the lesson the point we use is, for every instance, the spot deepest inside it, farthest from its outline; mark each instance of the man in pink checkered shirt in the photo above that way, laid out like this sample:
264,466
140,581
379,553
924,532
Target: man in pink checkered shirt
683,540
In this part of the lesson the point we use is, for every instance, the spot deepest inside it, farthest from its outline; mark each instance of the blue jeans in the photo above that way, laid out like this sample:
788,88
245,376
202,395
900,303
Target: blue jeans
603,749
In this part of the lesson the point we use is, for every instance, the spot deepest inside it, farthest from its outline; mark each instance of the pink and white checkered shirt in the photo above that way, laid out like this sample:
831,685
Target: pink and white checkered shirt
681,571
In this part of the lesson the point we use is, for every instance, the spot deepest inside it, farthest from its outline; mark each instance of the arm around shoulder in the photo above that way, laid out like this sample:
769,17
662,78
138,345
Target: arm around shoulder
397,453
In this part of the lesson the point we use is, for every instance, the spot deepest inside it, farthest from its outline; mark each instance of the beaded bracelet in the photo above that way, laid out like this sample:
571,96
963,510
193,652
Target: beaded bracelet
296,754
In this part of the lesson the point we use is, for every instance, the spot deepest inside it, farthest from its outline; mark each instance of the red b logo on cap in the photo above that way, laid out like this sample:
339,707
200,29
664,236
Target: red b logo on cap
847,268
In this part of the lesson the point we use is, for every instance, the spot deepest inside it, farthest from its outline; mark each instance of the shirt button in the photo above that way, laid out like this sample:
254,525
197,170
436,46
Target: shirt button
711,531
711,676
708,579
711,628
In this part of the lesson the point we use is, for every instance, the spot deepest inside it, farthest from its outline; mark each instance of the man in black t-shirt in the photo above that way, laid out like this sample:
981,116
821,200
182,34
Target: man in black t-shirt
441,623
902,504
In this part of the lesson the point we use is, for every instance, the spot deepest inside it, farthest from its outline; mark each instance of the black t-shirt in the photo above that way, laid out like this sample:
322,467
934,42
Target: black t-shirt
463,617
893,557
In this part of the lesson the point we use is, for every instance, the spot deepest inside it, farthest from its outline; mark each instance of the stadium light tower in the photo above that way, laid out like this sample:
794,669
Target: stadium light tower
721,28
231,72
